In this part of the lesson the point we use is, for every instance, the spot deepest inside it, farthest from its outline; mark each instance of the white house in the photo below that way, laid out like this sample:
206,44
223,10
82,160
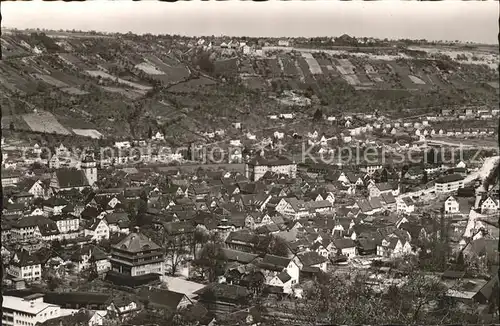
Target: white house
292,208
279,135
235,142
27,311
158,136
393,247
98,230
26,266
489,205
405,205
449,183
451,205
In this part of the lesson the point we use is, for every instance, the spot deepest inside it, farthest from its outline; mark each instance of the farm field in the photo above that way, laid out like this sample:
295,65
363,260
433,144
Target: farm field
51,81
130,94
92,133
314,67
73,91
149,69
102,74
192,85
44,122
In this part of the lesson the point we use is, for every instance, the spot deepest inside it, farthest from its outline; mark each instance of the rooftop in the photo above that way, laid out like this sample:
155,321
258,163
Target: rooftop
136,242
26,306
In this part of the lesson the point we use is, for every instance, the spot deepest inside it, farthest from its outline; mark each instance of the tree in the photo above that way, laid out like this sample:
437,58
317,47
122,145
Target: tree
318,115
384,175
418,299
53,283
425,178
209,259
275,246
205,63
176,254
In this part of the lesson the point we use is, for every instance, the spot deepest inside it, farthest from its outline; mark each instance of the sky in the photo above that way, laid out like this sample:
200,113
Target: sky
475,21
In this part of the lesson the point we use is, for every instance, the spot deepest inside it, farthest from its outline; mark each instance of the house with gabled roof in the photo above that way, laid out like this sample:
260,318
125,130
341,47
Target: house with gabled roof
273,266
405,205
489,205
25,265
393,247
68,179
451,205
97,229
345,247
292,208
311,262
376,189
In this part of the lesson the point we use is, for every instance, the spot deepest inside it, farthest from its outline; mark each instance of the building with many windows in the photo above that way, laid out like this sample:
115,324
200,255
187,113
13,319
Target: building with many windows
449,183
27,311
137,255
258,166
25,266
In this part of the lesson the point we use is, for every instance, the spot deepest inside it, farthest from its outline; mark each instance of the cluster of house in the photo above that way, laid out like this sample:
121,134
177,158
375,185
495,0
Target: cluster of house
324,216
468,113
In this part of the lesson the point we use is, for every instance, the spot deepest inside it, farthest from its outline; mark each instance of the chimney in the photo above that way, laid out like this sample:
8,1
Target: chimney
136,229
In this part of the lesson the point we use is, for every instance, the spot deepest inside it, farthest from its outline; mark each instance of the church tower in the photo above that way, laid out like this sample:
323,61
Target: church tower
89,166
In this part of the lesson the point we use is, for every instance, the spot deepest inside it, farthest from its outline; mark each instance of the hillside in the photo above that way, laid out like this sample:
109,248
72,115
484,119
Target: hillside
126,85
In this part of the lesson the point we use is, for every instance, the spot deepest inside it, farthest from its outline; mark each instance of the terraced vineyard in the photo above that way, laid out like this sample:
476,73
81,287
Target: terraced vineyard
110,82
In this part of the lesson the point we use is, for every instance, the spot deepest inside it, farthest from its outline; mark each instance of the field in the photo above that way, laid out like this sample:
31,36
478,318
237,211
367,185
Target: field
313,64
130,94
192,85
51,81
105,75
149,69
92,133
44,122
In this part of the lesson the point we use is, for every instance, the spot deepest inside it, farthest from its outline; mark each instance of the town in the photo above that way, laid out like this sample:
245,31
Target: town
172,180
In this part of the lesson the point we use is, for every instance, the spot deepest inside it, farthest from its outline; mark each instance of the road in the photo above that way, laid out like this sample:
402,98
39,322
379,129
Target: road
440,142
488,165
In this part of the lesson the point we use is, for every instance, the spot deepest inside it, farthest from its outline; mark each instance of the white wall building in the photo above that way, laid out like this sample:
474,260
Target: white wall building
27,311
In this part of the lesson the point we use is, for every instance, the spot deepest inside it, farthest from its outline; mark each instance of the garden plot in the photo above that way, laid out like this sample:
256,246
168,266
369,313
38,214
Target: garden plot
92,133
44,122
326,65
105,75
68,79
73,91
192,85
351,79
274,66
149,69
314,66
173,70
289,67
51,80
304,68
256,83
125,92
364,80
416,80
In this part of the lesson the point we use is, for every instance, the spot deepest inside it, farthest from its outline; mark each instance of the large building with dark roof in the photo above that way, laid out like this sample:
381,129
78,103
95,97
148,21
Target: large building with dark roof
68,179
257,167
449,183
137,255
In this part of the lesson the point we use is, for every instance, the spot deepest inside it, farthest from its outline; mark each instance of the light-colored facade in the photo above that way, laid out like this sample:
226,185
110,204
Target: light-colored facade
137,255
27,311
449,183
256,168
